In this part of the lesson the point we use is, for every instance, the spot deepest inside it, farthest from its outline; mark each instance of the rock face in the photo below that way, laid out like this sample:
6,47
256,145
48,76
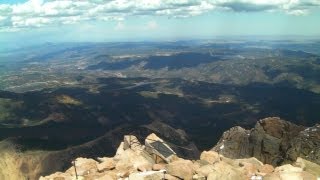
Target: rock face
306,145
273,141
136,163
234,143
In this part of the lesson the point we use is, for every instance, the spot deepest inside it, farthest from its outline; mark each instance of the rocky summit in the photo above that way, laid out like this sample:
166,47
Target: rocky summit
273,141
156,160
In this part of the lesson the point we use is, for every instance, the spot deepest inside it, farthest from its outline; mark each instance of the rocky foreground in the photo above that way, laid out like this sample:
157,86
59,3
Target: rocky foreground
156,160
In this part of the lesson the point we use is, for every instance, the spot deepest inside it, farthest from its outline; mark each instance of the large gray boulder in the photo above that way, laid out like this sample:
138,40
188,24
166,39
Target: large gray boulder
272,141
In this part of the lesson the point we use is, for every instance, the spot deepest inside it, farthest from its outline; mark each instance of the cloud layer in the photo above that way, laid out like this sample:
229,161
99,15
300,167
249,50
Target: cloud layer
38,13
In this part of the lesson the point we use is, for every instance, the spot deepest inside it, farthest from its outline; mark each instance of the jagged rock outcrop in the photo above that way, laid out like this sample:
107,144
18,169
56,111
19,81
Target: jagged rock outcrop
273,141
133,162
306,145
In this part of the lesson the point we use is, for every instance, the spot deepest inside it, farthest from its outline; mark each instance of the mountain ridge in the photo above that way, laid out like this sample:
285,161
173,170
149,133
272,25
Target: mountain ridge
136,161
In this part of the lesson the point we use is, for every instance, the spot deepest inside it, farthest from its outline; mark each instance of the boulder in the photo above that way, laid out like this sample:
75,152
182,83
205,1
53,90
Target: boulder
148,175
210,156
144,167
181,168
132,142
112,174
289,172
153,137
290,176
205,170
198,177
288,168
107,164
308,166
109,175
296,176
249,169
59,176
272,176
158,167
105,177
197,165
83,166
245,167
266,169
119,151
226,171
231,175
249,166
170,177
251,160
130,161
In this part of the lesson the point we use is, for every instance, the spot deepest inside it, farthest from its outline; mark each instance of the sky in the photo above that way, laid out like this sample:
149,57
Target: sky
34,21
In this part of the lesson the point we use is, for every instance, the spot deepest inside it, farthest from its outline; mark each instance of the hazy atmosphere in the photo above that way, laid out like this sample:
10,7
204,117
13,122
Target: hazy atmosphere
37,21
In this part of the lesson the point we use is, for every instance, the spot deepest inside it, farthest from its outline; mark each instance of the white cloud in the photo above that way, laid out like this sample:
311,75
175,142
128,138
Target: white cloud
2,18
298,12
294,7
32,7
37,13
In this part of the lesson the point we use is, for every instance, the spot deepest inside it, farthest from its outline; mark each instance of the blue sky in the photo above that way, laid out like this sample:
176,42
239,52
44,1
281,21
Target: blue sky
37,21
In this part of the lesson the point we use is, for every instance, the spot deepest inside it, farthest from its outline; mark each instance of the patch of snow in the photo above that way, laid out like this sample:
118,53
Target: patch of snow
313,129
221,147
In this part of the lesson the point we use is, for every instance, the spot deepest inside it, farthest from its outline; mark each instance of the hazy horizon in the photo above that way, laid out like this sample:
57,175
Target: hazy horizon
40,21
